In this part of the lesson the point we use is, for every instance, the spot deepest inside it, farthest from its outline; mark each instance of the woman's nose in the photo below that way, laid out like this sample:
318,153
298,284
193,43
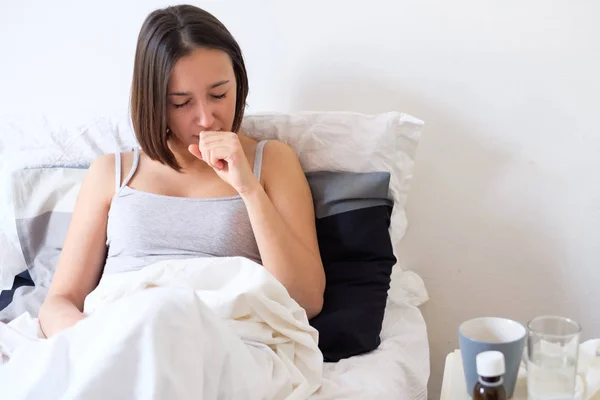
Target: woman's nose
204,116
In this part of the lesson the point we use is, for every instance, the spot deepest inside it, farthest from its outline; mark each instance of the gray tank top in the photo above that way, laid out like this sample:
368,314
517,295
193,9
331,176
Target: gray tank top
144,228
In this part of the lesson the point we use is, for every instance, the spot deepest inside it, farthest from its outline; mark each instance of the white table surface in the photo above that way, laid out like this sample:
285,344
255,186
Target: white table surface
454,386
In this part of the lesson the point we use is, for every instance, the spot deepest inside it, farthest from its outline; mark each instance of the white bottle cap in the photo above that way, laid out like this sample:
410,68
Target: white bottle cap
490,364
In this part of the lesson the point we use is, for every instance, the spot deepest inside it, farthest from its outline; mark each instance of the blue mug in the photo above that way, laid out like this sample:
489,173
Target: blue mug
491,333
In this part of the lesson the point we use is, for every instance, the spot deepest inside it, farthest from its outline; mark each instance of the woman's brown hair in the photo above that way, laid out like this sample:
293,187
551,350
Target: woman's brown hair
167,35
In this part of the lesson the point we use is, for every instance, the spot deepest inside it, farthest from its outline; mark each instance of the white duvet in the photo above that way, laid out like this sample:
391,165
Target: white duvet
220,328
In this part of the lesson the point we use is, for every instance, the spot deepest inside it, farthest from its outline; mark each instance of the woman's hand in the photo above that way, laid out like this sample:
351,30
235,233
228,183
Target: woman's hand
224,153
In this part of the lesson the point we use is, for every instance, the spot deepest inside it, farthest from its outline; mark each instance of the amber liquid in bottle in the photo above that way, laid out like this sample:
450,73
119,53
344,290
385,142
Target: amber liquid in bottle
489,389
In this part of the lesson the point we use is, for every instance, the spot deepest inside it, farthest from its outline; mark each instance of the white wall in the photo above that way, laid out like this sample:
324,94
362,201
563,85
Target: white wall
505,206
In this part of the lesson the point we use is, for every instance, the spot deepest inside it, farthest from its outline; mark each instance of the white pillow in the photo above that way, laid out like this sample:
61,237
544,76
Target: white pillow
331,141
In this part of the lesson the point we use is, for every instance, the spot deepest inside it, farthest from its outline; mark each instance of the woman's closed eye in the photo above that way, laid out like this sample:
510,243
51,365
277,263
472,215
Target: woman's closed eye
214,96
181,104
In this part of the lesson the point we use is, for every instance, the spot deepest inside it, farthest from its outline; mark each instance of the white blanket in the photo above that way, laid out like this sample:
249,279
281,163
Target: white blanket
220,328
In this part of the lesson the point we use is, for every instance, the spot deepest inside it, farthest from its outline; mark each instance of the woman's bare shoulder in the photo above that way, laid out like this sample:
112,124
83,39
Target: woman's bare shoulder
278,153
281,160
102,167
101,176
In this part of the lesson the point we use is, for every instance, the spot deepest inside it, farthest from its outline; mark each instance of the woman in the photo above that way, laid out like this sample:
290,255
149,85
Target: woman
198,186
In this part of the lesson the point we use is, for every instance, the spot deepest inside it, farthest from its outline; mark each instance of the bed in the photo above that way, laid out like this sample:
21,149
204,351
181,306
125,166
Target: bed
348,143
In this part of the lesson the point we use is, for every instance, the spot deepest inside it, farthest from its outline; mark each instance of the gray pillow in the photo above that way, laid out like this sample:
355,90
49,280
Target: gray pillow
43,200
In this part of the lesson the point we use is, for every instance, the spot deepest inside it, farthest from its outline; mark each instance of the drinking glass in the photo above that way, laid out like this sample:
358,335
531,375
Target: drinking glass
552,352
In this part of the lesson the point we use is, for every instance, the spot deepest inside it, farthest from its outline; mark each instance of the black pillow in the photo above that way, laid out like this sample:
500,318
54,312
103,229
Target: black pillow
353,213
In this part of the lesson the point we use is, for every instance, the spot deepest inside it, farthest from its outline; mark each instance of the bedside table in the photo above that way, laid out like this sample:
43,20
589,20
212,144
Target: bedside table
454,386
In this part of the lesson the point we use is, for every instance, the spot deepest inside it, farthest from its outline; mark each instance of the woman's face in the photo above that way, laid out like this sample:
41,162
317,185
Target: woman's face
201,95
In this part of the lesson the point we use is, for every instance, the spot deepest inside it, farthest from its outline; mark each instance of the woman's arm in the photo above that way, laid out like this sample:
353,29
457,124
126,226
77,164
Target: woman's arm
83,255
283,220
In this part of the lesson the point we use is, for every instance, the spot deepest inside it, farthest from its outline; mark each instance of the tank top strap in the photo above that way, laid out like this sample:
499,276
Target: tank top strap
136,160
117,171
258,158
